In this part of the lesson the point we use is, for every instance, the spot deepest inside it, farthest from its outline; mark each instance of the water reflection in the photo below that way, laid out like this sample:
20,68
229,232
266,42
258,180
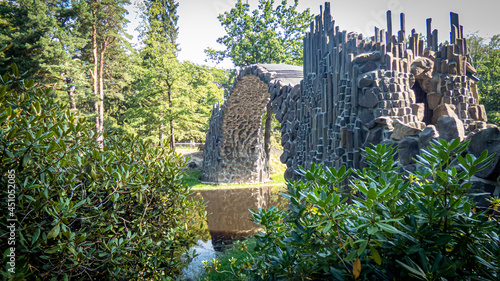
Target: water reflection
229,218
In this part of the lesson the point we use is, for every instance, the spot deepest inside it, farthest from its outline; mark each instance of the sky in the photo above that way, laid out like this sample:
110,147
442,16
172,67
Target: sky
199,27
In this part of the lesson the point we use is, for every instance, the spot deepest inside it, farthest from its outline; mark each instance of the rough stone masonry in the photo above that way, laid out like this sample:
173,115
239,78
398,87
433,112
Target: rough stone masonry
355,92
236,151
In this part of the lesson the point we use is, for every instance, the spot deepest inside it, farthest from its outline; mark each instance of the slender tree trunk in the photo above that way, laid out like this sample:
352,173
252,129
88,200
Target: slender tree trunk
71,95
267,136
161,129
95,83
101,92
72,102
172,136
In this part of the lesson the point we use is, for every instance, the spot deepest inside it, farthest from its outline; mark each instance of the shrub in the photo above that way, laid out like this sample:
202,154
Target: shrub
83,213
416,227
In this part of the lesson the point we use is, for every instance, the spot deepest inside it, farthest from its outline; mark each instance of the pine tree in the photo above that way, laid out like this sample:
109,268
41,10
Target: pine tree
103,21
167,92
43,39
160,55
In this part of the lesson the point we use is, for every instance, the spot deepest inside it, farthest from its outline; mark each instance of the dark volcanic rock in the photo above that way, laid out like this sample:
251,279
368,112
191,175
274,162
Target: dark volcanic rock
488,139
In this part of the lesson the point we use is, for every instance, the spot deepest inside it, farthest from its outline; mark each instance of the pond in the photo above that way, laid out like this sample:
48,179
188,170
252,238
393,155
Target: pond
229,219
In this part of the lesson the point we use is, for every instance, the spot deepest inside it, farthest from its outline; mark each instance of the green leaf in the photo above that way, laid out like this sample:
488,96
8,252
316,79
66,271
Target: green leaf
38,108
336,200
428,190
362,248
372,230
327,227
352,255
417,271
375,255
362,187
466,208
387,228
52,147
79,204
443,240
28,83
35,236
52,250
372,194
386,191
454,144
15,70
54,232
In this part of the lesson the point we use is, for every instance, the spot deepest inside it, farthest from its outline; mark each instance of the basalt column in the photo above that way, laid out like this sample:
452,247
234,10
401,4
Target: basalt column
360,91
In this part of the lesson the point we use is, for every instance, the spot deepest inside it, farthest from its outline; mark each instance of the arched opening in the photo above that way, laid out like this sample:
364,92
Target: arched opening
238,143
236,153
421,97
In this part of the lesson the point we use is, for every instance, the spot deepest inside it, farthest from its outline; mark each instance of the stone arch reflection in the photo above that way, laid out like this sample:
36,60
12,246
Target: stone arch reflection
229,217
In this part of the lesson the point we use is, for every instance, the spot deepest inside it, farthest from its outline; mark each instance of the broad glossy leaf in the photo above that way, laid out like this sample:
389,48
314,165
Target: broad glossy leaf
327,227
15,70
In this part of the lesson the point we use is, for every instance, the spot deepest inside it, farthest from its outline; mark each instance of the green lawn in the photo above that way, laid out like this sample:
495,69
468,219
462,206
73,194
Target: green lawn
192,178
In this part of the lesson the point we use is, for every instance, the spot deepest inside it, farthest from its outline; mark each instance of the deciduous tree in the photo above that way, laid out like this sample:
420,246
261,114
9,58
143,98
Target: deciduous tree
269,34
486,60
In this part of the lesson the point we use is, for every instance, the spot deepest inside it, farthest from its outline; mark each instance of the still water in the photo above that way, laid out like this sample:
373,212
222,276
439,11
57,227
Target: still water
229,219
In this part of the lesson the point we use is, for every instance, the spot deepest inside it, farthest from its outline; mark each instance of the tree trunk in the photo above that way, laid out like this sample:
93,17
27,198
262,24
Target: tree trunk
161,129
172,137
95,84
267,136
71,95
101,92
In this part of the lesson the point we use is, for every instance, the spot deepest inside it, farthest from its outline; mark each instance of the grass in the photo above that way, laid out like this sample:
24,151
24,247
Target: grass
192,178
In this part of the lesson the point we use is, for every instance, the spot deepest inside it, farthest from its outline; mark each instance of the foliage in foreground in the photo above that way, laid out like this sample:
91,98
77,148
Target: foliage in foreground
83,213
421,227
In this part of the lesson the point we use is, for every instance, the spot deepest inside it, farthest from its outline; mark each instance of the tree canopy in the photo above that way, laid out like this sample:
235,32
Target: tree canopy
486,60
269,34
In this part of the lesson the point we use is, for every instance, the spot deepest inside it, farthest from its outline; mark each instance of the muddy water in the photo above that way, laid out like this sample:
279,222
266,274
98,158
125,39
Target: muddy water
229,219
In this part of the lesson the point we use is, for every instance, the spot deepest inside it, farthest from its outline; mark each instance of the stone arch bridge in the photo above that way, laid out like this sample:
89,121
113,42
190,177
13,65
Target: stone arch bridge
237,147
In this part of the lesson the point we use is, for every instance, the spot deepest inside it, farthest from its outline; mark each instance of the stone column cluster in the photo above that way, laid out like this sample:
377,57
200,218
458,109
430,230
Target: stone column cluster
361,91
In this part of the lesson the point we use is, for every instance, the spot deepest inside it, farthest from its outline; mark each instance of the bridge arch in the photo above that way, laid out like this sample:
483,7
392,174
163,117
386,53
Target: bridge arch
236,149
